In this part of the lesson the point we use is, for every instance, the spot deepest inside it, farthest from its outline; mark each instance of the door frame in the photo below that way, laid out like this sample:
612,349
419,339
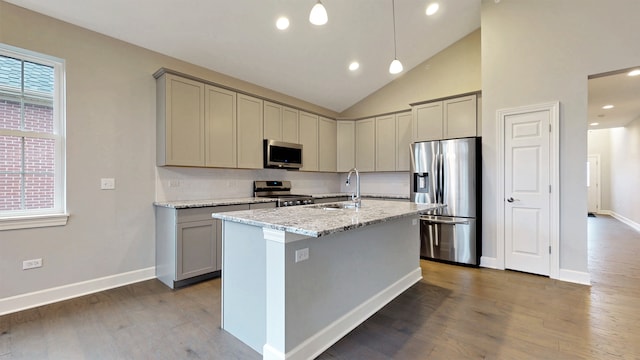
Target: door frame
598,180
554,174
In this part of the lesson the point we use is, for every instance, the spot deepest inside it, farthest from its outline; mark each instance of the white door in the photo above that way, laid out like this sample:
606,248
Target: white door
593,183
527,191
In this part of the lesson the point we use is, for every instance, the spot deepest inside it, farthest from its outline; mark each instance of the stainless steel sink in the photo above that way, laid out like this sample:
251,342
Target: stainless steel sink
335,206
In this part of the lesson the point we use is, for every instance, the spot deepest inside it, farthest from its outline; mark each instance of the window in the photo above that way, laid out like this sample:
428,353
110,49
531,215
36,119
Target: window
32,139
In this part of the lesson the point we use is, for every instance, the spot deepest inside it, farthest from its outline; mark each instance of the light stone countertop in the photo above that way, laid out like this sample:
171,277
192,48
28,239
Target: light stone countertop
371,196
186,204
312,220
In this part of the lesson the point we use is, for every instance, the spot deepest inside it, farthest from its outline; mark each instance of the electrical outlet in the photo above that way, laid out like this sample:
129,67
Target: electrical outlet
107,183
31,264
302,254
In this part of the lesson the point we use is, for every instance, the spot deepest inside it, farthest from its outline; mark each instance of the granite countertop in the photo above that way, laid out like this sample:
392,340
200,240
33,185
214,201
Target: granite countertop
185,204
312,220
372,196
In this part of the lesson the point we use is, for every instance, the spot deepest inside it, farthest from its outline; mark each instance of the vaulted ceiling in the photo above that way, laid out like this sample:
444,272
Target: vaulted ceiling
239,38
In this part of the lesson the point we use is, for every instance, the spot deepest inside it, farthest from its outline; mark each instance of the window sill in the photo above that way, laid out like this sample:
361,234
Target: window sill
34,221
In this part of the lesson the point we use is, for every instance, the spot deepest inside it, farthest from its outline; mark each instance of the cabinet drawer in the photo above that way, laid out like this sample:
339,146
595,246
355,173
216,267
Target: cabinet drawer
204,213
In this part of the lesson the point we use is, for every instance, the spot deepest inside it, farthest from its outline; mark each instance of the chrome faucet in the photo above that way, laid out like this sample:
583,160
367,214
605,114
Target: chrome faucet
355,197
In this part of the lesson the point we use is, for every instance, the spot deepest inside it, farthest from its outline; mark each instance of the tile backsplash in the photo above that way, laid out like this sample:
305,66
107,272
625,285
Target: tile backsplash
177,183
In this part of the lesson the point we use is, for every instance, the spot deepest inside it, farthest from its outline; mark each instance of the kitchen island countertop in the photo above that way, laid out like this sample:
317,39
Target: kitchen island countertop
314,221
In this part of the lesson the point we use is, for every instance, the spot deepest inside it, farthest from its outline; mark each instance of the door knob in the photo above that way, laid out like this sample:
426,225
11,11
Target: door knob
510,199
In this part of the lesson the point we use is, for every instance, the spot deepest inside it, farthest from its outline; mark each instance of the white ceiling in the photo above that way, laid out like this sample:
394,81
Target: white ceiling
239,38
617,89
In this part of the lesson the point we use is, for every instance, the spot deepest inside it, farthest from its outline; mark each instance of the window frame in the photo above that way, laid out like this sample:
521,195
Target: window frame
56,216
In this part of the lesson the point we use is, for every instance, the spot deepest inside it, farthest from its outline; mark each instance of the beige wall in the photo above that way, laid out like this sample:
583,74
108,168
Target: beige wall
110,133
541,51
455,70
625,172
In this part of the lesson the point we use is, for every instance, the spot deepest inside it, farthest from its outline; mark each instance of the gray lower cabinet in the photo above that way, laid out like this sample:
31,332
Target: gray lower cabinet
189,243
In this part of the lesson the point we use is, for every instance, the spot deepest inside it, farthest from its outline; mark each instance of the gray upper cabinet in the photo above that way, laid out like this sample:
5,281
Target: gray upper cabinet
427,121
308,136
403,141
272,121
250,132
327,144
366,144
386,143
220,127
280,123
445,119
346,145
180,121
290,125
460,117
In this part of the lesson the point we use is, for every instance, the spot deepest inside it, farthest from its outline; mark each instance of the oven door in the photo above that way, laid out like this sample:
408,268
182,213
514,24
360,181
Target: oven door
451,239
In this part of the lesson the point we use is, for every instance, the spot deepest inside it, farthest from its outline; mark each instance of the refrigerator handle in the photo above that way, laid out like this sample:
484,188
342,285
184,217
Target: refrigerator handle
436,180
445,222
441,178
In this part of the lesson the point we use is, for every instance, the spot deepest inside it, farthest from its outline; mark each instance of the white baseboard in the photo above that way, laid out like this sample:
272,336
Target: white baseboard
489,262
52,295
625,220
573,276
328,336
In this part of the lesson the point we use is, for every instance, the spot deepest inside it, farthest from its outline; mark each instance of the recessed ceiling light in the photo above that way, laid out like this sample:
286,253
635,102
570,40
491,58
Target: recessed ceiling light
432,8
354,66
594,124
607,107
282,23
635,72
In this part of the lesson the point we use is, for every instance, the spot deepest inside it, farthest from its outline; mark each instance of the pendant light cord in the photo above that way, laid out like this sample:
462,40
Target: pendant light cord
393,11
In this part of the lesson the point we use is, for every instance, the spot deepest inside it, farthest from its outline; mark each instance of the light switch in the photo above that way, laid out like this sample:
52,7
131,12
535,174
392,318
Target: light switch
107,184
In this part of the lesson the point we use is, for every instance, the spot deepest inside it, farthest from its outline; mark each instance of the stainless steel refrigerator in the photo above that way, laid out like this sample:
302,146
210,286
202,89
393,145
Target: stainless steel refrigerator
448,172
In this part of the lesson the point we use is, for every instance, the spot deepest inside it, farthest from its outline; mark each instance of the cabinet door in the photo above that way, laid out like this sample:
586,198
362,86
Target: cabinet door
181,121
460,117
403,141
386,143
308,136
220,126
272,121
290,124
196,249
427,122
250,132
346,145
327,144
365,144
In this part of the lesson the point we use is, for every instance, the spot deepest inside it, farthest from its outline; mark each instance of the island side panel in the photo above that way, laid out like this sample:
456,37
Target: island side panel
345,276
244,283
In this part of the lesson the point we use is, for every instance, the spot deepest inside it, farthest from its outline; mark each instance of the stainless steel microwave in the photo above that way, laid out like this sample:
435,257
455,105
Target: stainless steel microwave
283,155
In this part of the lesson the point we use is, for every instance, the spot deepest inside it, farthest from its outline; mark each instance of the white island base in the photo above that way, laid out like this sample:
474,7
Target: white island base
285,309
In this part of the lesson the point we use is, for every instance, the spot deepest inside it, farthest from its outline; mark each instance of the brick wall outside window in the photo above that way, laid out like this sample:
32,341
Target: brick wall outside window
37,155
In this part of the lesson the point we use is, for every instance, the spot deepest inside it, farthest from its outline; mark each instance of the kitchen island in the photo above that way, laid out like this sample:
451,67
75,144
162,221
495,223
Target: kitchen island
297,279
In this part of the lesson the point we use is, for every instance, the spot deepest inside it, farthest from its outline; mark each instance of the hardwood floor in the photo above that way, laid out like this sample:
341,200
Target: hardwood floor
453,313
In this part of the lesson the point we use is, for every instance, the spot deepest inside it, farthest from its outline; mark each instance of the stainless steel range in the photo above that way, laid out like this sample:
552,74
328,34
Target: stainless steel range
280,190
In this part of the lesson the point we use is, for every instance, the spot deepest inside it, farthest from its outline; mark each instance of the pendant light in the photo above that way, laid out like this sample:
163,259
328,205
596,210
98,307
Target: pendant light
318,14
396,65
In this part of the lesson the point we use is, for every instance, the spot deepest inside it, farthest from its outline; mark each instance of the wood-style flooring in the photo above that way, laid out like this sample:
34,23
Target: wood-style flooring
453,313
